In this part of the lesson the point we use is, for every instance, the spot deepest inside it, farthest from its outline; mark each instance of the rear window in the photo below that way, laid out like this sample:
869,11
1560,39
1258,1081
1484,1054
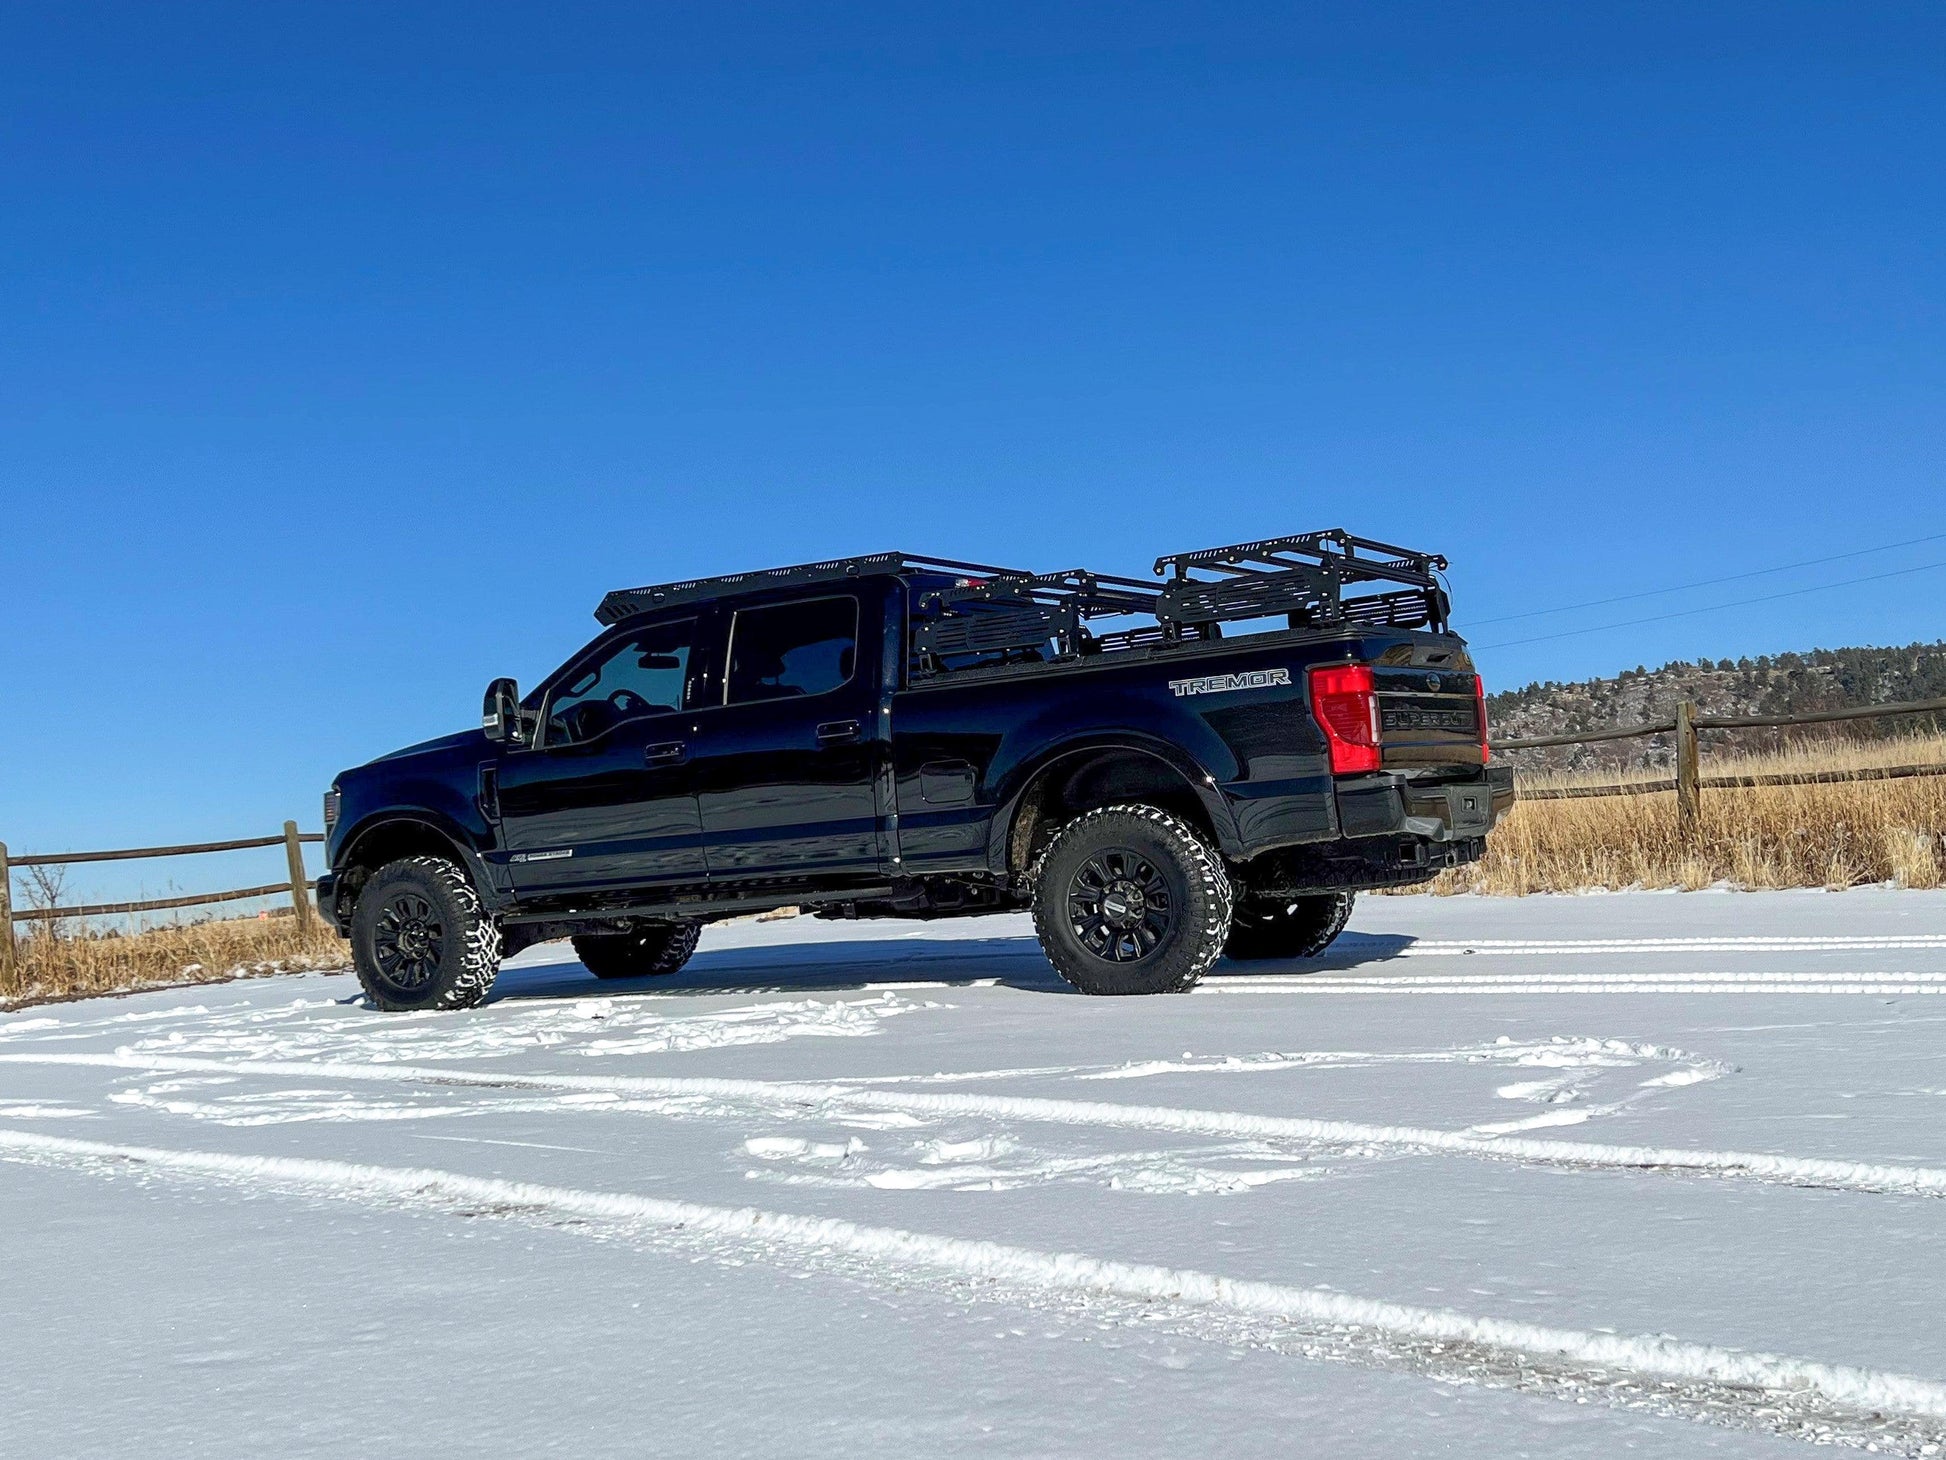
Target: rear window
792,650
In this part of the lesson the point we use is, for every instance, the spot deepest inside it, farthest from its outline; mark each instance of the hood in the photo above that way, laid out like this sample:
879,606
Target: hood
462,740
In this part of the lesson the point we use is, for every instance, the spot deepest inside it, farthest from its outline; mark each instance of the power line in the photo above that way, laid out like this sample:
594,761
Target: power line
1714,607
1507,618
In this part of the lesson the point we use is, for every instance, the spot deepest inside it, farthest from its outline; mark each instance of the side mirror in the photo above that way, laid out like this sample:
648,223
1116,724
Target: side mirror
500,712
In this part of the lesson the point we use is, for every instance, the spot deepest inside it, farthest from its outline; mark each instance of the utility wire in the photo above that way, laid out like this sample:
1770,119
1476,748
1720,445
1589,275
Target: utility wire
1507,618
1714,607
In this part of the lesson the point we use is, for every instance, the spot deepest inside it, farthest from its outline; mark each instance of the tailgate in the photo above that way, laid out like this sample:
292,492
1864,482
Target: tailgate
1427,717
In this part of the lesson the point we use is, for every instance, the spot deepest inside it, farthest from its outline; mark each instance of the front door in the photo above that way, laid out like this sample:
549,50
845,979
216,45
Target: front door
605,801
785,764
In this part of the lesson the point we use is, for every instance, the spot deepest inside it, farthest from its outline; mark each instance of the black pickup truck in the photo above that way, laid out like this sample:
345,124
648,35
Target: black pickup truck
1162,771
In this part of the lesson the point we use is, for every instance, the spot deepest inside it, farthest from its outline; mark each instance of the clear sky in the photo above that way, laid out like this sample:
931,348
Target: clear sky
349,353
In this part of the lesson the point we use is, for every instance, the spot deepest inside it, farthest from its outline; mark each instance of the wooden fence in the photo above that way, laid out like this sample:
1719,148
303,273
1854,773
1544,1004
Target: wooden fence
1689,783
297,885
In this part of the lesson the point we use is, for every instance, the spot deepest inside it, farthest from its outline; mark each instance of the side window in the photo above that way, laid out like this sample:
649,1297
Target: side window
792,650
643,674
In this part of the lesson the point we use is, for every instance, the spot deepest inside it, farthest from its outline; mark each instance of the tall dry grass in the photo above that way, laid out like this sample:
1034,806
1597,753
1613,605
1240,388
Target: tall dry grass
75,966
1841,835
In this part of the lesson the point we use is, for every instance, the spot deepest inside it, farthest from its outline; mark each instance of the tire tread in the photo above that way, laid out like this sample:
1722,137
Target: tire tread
479,939
1205,870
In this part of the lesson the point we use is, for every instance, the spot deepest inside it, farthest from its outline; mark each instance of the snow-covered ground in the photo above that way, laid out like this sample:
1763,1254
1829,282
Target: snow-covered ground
1648,1174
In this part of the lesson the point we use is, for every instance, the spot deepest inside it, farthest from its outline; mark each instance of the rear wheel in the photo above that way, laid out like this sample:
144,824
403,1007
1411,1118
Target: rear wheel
1287,927
649,950
1131,900
420,938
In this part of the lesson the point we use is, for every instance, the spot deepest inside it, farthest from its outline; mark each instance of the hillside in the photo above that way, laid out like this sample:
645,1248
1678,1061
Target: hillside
1822,679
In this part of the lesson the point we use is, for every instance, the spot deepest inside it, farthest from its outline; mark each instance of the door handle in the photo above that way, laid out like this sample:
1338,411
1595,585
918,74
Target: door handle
838,732
667,753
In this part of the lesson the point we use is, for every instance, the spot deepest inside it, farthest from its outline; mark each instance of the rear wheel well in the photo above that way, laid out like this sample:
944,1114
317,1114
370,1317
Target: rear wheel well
1089,780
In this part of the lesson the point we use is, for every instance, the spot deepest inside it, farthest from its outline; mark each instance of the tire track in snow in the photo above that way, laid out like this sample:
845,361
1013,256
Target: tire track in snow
1818,1172
1754,943
1710,982
1771,1392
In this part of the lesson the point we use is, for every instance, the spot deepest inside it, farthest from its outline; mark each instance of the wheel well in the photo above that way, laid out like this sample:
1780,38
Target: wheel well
387,842
1090,779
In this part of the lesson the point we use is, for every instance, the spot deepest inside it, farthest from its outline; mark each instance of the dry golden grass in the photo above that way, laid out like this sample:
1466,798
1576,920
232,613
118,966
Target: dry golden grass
207,952
1835,836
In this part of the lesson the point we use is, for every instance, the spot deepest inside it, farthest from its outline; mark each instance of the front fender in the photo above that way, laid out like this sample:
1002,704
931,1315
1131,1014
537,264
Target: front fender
448,830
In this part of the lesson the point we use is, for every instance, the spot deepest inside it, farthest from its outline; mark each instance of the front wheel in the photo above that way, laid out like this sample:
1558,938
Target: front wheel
420,938
1131,900
1287,927
648,951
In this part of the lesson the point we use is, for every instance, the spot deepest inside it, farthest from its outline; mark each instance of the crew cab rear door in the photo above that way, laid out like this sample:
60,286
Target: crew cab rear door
786,765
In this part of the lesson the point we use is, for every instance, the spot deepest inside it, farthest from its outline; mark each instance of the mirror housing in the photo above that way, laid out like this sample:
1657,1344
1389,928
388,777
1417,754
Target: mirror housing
500,715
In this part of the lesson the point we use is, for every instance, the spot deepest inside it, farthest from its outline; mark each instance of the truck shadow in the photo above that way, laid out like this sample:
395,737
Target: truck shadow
877,963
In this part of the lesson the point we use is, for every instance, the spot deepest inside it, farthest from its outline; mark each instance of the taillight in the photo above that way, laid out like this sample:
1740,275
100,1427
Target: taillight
1347,708
1480,712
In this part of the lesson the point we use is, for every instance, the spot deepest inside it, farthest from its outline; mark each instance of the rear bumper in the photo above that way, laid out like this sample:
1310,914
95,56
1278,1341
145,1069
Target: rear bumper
1444,809
1394,830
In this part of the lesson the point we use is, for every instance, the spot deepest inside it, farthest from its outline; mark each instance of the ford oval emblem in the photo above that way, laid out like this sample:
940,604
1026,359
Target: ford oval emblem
1432,681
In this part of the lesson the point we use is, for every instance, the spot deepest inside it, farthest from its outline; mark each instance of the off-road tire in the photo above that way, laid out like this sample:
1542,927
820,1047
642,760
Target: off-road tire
420,938
649,951
1287,927
1152,849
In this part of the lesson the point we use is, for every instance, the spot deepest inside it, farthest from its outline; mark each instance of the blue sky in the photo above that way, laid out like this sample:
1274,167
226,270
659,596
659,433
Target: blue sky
351,353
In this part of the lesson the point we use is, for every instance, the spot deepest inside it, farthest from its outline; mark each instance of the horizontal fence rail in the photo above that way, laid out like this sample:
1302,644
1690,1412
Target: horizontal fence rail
1586,737
1688,783
153,904
188,849
297,884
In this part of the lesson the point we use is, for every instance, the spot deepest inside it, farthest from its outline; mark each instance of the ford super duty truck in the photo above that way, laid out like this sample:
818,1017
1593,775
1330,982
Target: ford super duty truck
1163,772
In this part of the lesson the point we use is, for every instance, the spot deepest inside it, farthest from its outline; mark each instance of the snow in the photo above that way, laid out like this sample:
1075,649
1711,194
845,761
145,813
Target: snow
889,1189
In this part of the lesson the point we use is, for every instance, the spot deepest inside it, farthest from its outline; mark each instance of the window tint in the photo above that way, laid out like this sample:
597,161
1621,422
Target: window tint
793,649
641,675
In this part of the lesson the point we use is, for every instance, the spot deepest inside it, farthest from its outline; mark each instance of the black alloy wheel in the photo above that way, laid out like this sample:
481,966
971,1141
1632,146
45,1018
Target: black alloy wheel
409,939
1120,905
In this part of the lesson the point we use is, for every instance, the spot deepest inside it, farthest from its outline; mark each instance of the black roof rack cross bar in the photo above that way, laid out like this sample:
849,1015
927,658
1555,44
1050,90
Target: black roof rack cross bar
627,602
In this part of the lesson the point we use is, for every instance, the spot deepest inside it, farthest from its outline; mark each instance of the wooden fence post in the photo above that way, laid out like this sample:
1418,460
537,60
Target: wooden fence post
300,884
1688,793
8,957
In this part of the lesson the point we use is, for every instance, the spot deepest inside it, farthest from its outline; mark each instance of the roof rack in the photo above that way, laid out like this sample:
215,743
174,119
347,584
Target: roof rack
627,602
1005,615
1303,576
